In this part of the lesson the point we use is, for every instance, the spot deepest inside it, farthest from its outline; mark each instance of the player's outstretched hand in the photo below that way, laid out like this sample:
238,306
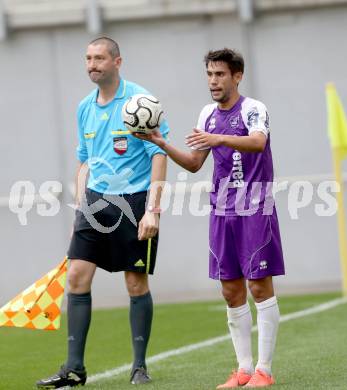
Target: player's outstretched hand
148,226
202,140
154,137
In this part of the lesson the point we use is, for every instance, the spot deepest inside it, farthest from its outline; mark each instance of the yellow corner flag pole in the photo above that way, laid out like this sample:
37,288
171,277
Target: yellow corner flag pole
337,126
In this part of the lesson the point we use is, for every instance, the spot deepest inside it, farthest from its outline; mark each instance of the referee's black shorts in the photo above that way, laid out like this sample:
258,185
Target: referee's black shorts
119,249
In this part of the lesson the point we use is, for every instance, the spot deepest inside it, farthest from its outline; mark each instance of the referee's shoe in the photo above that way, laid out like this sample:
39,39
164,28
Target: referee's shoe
65,377
140,376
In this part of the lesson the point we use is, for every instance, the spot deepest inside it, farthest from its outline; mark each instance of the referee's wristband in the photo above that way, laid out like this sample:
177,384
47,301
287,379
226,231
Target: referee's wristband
154,210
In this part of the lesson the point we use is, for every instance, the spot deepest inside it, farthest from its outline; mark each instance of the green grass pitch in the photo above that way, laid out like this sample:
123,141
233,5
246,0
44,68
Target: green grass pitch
311,352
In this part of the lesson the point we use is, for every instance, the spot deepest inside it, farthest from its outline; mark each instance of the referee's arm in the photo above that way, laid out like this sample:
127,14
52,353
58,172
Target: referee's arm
80,181
149,224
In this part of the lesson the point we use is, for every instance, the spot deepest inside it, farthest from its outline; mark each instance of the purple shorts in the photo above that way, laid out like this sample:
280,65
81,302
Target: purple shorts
245,246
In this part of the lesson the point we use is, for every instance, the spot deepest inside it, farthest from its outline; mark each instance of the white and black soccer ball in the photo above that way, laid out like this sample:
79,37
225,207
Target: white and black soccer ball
142,113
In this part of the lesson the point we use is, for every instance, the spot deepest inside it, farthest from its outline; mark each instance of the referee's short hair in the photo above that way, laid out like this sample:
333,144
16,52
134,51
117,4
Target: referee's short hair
234,59
112,45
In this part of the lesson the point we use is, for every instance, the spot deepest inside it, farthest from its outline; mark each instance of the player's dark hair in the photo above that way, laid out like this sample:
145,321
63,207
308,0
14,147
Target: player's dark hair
234,60
112,45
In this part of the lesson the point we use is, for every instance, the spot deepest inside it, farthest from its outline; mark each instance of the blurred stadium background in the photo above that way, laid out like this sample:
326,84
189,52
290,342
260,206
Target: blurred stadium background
292,49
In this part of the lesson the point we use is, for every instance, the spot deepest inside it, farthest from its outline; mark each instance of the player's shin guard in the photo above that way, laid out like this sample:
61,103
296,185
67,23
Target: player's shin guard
240,326
268,316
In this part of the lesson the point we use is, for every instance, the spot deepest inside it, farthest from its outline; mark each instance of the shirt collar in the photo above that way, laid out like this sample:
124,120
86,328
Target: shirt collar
235,107
121,89
120,94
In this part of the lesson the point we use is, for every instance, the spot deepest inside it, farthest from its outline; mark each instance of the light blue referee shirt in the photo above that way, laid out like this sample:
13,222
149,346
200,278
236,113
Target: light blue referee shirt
118,162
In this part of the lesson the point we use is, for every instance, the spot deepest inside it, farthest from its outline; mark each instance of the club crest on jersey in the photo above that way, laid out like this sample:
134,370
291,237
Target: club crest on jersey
234,122
120,145
212,124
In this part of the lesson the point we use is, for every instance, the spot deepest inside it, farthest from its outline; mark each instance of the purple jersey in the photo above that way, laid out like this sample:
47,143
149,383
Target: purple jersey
242,181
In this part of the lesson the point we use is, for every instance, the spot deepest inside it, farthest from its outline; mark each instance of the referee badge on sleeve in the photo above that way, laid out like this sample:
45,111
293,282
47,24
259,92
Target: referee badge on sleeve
120,145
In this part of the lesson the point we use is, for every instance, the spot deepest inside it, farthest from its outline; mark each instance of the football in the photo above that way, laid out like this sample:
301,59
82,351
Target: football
142,113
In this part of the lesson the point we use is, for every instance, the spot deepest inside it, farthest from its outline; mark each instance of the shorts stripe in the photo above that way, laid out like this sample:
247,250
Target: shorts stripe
263,246
149,247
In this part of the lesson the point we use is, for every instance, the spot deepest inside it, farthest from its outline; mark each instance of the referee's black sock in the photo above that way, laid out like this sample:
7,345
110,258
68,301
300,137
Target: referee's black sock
79,310
141,314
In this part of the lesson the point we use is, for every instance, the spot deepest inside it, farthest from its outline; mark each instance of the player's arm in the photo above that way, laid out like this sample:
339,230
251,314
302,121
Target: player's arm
149,224
192,161
254,142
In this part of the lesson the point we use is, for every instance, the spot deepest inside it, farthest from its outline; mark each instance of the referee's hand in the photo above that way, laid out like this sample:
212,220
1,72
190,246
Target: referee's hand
148,226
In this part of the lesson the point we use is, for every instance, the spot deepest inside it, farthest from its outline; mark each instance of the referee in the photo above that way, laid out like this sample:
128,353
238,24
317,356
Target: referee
117,219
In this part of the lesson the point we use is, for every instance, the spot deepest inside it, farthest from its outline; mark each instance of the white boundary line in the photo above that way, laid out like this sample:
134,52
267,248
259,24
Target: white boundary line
207,343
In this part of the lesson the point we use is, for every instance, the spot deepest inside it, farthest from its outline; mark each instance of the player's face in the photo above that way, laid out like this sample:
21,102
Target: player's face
221,82
101,67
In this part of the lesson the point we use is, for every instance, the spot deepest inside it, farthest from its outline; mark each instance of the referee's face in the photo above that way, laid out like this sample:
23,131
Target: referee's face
101,66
